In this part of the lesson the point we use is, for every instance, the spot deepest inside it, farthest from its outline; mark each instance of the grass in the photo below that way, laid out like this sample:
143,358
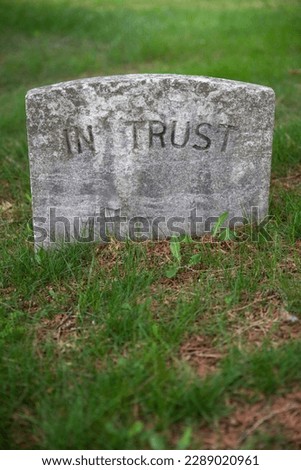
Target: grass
100,348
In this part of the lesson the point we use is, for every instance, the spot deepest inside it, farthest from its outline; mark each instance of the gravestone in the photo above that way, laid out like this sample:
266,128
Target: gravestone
146,156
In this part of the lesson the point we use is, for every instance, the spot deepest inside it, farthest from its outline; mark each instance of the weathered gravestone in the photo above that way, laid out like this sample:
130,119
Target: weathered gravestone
146,156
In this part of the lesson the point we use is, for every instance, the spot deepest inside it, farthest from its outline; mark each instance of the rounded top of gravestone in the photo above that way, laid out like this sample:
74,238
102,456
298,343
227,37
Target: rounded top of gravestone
173,79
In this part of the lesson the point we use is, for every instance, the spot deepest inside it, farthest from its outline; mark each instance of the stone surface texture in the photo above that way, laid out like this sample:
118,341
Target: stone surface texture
150,145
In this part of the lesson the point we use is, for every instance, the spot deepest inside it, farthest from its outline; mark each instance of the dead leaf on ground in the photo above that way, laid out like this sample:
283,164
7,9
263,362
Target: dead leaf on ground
6,209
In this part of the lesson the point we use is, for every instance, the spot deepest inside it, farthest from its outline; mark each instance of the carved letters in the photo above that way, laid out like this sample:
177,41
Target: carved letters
156,134
179,135
77,140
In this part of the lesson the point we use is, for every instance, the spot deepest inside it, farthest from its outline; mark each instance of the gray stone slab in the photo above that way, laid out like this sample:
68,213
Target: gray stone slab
159,149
